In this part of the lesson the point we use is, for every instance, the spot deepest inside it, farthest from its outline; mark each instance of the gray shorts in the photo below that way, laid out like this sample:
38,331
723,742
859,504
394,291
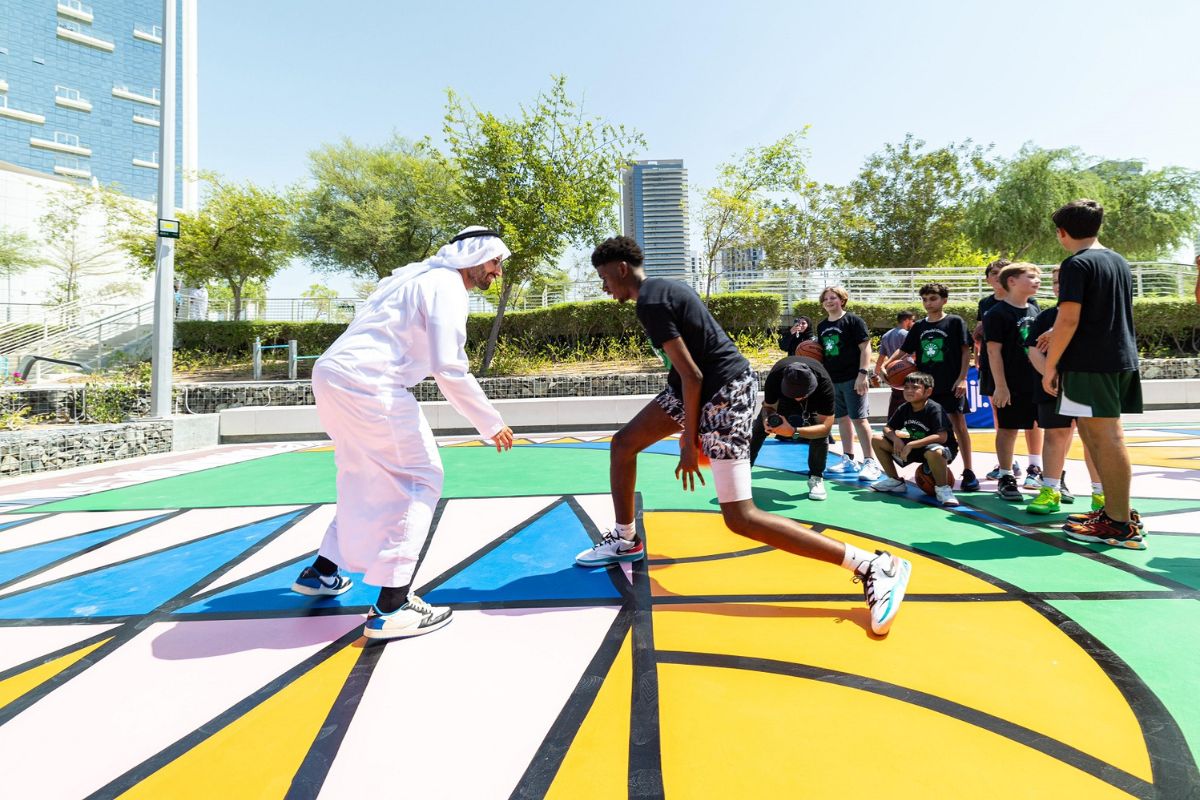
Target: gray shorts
849,403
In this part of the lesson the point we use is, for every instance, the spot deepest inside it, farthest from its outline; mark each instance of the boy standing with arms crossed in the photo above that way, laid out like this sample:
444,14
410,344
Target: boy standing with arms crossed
847,345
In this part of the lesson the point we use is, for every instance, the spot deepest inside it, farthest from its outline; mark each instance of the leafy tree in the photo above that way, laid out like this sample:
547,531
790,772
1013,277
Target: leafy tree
17,253
544,180
241,236
1146,213
82,228
376,209
908,204
324,303
803,232
733,213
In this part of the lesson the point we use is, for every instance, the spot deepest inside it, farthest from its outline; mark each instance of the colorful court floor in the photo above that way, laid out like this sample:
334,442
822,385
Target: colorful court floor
150,646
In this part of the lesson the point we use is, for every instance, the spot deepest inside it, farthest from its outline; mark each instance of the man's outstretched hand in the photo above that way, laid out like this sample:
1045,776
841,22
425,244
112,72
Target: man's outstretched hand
503,439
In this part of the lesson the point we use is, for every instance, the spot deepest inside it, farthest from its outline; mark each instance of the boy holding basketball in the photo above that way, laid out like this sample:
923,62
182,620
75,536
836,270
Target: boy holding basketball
918,433
943,350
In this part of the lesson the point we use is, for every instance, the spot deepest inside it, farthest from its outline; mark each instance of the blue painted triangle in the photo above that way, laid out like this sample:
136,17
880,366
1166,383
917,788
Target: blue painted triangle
536,563
16,563
272,592
141,585
789,456
6,525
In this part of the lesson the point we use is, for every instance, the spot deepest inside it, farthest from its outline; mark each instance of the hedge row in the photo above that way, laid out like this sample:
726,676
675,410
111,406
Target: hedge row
566,323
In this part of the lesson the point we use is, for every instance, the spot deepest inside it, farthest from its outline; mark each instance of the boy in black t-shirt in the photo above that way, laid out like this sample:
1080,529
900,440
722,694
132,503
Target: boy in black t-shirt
798,399
710,395
1092,365
918,433
1006,329
943,350
847,346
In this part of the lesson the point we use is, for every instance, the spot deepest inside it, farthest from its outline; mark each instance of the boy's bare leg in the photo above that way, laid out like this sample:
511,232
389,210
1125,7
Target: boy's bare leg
864,436
959,423
883,454
1093,472
1057,442
1006,442
649,426
1033,441
846,431
937,465
746,519
1106,441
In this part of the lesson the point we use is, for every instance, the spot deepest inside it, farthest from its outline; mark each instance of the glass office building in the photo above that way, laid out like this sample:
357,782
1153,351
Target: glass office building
654,212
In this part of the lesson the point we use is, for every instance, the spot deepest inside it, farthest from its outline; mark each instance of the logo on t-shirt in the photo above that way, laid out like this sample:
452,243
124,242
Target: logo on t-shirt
831,341
1023,326
933,348
916,429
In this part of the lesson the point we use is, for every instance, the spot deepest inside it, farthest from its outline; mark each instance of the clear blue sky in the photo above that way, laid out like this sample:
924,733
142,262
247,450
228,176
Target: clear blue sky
701,80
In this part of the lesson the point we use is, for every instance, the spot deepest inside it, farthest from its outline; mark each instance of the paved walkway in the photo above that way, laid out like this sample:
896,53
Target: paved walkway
149,646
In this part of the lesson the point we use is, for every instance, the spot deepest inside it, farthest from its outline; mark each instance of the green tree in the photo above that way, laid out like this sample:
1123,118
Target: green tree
908,203
733,213
241,236
544,180
1147,213
803,232
324,303
376,209
82,229
17,254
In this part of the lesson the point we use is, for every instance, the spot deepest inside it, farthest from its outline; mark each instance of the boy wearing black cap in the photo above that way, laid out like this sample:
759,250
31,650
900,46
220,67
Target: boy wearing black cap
798,405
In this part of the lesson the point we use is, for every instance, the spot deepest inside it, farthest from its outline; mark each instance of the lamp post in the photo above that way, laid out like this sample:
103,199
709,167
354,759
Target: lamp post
168,231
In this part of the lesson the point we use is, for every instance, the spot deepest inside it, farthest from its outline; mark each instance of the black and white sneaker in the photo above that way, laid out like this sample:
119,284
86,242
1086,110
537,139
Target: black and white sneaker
314,584
1008,489
414,618
884,584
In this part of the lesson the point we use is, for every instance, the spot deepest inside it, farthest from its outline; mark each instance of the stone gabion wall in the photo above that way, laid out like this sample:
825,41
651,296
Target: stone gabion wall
44,450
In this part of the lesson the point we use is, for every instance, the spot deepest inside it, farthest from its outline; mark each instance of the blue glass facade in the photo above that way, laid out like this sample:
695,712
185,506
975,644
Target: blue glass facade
50,73
654,212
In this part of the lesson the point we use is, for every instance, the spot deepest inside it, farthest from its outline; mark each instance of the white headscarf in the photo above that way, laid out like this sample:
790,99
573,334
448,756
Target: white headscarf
463,254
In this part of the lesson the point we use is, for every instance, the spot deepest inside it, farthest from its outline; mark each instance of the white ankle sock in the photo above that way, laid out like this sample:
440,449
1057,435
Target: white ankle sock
1053,483
1097,488
625,531
1004,472
1035,461
856,559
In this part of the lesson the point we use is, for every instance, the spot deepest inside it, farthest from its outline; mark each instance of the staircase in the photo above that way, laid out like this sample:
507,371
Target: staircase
95,336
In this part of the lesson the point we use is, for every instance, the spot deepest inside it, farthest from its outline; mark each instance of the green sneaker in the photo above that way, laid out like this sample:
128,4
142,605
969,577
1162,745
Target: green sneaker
1097,502
1046,502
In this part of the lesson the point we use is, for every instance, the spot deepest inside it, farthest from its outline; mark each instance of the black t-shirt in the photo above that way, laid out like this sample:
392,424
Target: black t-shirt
1044,322
986,385
840,341
1009,326
819,402
669,309
929,420
939,347
1101,282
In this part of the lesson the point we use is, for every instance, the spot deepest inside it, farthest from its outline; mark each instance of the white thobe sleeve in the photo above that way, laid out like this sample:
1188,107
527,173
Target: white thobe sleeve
446,318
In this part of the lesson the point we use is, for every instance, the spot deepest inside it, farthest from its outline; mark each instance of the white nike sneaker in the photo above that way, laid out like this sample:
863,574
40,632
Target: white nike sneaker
945,495
414,618
816,488
884,584
847,464
890,485
612,549
870,470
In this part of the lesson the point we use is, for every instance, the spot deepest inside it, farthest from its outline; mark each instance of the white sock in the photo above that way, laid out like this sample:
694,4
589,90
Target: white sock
1097,488
1053,483
857,559
1035,461
626,531
1004,472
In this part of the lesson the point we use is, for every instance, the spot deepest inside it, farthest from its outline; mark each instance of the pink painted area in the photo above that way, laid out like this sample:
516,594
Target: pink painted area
482,692
160,686
60,526
185,527
302,538
19,645
468,525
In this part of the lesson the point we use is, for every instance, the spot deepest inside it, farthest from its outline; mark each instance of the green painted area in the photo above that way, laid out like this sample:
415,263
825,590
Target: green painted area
308,477
1015,512
1157,639
1175,557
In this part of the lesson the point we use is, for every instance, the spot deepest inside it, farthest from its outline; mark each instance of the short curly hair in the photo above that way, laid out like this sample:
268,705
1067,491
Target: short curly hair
618,248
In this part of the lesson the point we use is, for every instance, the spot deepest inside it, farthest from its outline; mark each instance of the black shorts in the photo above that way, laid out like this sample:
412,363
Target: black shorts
1020,414
917,454
1049,418
949,403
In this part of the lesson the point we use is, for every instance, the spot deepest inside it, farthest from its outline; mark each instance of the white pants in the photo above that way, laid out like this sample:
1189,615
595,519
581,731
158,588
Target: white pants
389,480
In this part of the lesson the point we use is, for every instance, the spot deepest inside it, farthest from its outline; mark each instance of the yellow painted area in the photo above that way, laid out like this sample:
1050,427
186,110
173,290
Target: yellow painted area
258,754
472,443
565,440
323,449
732,733
597,765
22,682
1177,457
687,534
999,657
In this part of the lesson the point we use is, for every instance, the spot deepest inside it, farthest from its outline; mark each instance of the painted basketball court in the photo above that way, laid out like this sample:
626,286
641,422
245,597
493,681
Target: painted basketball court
150,647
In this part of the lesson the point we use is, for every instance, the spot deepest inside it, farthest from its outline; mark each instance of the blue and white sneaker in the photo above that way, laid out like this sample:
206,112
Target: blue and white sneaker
315,584
884,584
414,618
870,470
846,465
612,549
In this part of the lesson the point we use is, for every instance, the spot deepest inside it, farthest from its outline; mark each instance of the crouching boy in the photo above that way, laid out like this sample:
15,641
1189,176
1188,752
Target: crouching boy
918,433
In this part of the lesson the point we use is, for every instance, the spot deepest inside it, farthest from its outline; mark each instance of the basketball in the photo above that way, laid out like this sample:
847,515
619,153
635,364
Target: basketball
811,348
897,371
924,479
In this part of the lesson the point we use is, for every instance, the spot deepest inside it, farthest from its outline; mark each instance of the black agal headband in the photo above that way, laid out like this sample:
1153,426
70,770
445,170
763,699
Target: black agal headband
473,234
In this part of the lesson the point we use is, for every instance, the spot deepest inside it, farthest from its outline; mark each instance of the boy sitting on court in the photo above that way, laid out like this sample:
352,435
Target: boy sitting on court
943,349
918,433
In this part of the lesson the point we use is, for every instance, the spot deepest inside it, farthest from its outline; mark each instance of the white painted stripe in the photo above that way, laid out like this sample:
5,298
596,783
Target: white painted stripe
25,644
303,537
60,526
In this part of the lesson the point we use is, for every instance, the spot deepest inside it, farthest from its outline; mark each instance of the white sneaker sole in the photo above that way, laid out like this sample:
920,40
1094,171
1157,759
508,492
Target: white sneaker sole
875,487
406,633
311,592
884,625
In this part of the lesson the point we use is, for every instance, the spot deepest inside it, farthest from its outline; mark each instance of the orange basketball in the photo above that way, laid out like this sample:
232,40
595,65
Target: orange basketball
924,479
897,371
812,349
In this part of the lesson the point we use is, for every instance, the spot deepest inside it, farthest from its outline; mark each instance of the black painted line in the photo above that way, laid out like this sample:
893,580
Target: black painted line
207,730
39,621
200,596
333,611
1040,742
141,526
310,777
54,655
492,545
645,751
434,524
1171,761
753,551
615,574
546,762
